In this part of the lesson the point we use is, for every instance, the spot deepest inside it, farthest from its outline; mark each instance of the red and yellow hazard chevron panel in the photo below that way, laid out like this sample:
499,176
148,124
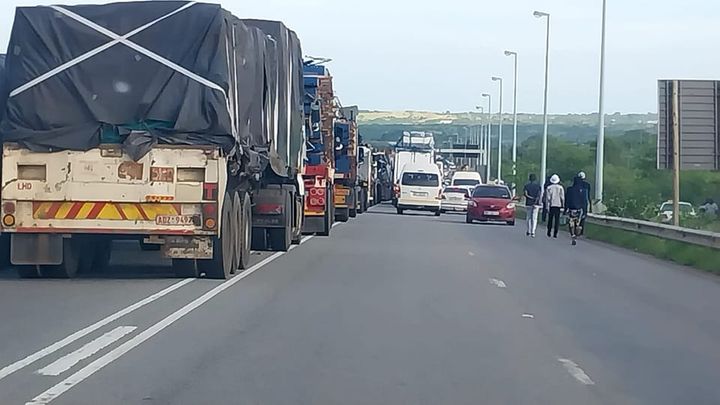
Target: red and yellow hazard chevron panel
103,210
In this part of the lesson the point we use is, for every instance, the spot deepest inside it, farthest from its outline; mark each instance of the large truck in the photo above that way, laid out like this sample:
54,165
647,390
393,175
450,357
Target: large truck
366,178
413,147
173,123
346,160
319,174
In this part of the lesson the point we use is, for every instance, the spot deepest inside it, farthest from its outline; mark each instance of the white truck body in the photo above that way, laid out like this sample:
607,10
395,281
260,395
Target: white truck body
165,193
404,157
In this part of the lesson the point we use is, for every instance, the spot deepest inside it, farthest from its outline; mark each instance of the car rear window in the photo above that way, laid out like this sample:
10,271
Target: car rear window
455,190
466,182
491,192
420,179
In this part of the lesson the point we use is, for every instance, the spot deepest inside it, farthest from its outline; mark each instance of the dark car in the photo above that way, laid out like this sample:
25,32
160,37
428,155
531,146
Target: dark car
491,203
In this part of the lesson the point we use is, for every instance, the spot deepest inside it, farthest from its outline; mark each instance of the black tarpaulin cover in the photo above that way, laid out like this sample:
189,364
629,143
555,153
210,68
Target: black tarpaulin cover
172,77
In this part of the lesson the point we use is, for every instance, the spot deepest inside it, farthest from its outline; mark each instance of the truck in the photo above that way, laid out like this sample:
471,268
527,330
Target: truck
413,147
366,178
319,173
346,160
181,128
382,177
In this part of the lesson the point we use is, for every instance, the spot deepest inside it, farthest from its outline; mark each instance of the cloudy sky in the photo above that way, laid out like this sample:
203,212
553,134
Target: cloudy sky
440,55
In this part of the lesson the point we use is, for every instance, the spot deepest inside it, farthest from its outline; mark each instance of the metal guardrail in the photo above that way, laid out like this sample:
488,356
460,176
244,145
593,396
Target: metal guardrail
678,233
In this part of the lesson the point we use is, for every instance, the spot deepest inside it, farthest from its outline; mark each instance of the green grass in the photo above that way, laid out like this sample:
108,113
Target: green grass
699,257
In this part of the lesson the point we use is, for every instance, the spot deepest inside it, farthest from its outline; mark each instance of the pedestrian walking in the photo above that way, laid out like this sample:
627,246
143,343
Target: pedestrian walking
545,207
587,206
533,203
575,204
555,201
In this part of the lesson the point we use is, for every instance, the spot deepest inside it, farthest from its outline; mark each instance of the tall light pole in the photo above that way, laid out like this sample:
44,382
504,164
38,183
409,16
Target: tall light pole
543,159
481,134
488,144
515,122
500,113
600,153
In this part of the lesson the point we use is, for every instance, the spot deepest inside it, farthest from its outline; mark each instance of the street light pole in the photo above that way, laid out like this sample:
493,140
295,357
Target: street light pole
600,152
515,121
488,143
543,160
500,113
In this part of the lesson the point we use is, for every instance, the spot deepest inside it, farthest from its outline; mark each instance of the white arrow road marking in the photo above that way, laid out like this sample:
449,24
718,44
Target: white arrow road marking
529,316
85,372
576,371
498,283
471,254
68,361
7,370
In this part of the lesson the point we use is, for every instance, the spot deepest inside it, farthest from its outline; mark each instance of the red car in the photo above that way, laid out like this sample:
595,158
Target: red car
491,203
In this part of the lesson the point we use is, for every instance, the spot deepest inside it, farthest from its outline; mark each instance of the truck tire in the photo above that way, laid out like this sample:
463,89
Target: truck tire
97,256
224,246
259,239
185,268
149,247
281,238
72,248
343,216
361,202
245,231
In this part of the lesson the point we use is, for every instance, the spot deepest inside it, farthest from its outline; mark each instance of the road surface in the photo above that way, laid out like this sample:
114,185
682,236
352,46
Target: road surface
391,309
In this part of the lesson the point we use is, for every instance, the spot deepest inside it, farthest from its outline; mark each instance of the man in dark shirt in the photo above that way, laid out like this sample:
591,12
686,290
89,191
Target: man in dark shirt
575,204
533,197
588,200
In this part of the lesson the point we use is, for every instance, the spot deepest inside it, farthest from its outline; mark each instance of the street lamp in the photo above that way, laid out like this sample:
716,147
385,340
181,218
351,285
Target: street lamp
543,160
488,145
600,150
500,113
481,132
515,122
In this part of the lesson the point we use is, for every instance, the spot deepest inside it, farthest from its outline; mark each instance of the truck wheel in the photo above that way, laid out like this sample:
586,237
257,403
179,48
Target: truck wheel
222,262
361,202
185,268
437,213
245,232
71,261
149,247
343,216
281,238
97,258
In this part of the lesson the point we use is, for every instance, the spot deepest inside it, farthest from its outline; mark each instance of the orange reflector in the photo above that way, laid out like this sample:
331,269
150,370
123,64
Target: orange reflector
9,220
210,223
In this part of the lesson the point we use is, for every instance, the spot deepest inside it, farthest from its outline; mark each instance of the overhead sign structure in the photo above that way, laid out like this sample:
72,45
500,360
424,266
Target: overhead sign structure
698,121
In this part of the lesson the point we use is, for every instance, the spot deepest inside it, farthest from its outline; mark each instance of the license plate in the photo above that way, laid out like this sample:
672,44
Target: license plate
418,194
175,220
491,213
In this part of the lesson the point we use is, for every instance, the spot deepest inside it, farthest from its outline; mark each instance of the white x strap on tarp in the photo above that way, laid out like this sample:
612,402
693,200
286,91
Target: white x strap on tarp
118,39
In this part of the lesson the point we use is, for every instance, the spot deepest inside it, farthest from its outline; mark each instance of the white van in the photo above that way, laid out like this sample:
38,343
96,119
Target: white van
420,188
467,180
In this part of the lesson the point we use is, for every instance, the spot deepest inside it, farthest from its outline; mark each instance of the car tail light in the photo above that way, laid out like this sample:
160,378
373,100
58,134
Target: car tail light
396,189
440,195
510,206
472,203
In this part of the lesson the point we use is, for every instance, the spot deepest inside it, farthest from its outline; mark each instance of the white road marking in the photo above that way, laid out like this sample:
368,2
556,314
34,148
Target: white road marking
63,386
7,370
471,254
498,283
576,371
529,316
336,224
66,362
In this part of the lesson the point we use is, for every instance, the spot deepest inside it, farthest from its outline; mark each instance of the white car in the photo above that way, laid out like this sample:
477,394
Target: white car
454,199
666,211
467,180
420,188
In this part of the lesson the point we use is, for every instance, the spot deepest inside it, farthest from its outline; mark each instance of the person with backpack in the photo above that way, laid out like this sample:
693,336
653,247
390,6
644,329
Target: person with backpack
555,201
575,207
533,203
587,206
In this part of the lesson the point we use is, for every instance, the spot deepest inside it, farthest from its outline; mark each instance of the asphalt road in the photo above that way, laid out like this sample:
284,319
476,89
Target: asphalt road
390,309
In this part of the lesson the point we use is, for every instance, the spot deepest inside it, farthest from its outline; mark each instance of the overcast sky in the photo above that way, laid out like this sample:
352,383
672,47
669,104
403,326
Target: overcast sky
439,55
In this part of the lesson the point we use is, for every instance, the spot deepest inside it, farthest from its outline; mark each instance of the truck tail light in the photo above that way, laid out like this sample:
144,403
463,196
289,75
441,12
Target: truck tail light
396,189
209,212
269,209
32,172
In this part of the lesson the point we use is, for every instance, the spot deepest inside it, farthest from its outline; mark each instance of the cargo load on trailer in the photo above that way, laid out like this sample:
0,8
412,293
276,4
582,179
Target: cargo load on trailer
175,123
412,148
346,160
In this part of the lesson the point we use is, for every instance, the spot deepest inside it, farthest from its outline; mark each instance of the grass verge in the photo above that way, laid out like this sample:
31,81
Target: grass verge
699,257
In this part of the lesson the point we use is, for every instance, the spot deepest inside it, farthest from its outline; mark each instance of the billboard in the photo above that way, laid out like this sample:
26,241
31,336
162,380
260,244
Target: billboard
698,122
